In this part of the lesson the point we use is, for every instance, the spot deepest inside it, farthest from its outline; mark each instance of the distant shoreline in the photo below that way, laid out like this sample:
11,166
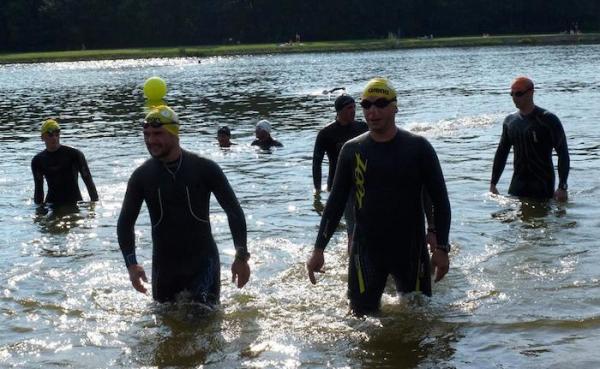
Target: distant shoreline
390,43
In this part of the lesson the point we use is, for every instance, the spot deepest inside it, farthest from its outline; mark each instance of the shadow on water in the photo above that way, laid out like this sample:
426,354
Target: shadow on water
409,336
186,334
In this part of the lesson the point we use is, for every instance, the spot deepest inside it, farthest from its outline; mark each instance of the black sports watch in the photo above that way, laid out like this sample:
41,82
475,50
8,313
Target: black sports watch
563,186
242,254
444,248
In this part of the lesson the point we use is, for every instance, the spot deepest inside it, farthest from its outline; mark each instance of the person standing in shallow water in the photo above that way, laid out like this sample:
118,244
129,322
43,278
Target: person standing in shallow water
533,132
176,186
60,165
387,169
329,141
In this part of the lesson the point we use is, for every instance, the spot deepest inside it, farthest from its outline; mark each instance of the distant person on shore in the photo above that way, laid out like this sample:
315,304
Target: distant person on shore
60,165
224,137
386,170
533,132
177,186
263,136
329,141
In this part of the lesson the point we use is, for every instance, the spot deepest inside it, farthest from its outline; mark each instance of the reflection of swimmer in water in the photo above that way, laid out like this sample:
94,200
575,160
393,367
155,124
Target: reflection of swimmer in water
176,186
387,170
263,136
60,165
533,132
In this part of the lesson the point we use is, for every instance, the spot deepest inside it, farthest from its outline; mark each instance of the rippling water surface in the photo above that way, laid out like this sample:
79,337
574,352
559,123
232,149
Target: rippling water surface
523,290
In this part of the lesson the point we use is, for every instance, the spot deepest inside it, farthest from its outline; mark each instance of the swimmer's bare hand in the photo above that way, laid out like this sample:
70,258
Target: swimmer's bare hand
240,271
561,195
439,264
494,190
136,276
315,264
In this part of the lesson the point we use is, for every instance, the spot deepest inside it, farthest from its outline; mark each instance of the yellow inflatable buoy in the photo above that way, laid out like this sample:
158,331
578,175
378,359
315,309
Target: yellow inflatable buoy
155,88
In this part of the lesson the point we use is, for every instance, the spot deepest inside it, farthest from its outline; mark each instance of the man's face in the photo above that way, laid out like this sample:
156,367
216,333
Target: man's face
159,141
522,95
261,134
224,140
347,114
52,140
379,119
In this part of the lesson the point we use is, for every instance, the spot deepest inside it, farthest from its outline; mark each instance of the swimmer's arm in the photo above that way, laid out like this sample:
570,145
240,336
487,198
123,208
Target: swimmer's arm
562,151
500,157
130,210
428,209
435,186
224,194
336,202
38,181
86,175
318,154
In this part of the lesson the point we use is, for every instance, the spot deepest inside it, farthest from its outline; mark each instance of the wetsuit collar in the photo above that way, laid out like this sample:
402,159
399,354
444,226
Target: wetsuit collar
528,114
173,167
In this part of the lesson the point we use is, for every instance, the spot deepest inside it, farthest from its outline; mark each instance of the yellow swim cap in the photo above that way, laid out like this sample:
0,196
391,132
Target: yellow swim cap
379,87
50,125
165,116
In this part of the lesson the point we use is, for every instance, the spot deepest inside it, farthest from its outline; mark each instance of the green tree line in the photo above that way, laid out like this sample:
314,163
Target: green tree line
39,25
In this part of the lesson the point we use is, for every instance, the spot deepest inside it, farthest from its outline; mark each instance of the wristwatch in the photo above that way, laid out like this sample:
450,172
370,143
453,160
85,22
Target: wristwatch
242,254
444,248
563,186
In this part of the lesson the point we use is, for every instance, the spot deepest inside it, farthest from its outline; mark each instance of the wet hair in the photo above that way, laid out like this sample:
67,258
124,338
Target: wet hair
224,131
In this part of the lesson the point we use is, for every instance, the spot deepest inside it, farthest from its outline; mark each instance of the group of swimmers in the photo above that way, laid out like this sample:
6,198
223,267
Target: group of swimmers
263,136
386,181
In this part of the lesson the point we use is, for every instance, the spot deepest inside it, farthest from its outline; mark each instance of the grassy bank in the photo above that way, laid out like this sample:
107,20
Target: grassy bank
327,46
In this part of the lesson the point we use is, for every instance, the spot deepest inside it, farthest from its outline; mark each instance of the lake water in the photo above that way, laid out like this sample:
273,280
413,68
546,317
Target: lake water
523,290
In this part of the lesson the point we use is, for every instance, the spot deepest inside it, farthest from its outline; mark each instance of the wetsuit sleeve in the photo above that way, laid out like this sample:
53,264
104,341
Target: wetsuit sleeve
86,175
226,197
562,150
501,154
342,184
317,161
428,209
130,210
435,187
38,181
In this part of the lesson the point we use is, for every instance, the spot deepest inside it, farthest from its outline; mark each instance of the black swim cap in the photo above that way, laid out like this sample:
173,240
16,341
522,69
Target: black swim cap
342,101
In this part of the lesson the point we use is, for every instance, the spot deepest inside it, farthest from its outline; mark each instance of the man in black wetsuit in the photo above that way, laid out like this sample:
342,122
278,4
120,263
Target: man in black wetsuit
263,136
61,166
330,141
533,132
386,169
176,186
